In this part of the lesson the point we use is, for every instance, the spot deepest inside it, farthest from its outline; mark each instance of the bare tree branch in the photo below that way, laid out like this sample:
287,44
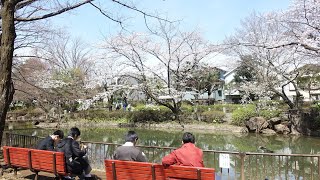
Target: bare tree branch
54,13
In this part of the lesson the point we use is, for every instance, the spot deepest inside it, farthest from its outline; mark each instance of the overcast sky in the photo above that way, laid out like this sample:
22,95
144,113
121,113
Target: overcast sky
215,18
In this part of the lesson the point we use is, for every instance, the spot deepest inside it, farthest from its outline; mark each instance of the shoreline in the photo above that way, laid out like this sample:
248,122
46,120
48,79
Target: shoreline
171,126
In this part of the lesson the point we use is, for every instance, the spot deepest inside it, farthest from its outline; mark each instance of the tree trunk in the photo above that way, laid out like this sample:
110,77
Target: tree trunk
7,46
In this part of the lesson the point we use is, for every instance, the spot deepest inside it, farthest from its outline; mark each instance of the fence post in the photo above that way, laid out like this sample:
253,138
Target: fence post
7,139
242,156
318,166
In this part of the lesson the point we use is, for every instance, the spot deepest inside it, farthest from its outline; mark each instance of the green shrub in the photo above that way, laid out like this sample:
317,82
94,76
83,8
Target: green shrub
317,122
103,115
239,116
201,108
213,116
228,107
268,114
186,108
151,115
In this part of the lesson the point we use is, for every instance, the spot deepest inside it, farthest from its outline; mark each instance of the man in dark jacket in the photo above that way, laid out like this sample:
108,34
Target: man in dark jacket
48,142
76,159
128,151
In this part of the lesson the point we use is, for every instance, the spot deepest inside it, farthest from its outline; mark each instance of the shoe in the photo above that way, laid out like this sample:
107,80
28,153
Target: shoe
68,178
90,178
93,177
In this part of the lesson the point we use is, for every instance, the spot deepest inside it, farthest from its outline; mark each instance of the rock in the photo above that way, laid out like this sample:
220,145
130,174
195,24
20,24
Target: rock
284,117
274,121
38,111
268,131
256,124
282,129
265,150
244,130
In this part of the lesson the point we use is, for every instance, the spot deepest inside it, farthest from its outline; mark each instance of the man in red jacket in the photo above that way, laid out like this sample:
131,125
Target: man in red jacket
187,155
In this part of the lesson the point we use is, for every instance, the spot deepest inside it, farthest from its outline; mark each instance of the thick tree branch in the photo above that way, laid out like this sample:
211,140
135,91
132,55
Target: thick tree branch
54,13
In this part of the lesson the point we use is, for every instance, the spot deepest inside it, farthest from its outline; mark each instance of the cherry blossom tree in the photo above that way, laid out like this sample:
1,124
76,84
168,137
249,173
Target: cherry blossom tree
161,60
15,14
279,44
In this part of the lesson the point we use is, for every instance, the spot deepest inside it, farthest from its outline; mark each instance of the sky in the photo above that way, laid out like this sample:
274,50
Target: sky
216,19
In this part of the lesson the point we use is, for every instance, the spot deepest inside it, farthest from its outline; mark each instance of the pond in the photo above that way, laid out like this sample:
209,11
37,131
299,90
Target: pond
223,141
284,167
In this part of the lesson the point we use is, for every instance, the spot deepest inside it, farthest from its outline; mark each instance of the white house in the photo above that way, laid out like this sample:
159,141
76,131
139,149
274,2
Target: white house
231,94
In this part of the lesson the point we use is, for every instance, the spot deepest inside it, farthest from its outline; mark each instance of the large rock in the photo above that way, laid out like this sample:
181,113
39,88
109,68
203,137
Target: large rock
268,131
244,130
256,124
282,129
274,121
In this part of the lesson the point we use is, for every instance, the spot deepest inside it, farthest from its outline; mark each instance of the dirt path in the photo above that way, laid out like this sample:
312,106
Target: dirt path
27,174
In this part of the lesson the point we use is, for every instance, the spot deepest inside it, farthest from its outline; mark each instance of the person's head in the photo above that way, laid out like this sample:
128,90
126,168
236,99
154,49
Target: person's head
74,133
57,135
188,138
131,136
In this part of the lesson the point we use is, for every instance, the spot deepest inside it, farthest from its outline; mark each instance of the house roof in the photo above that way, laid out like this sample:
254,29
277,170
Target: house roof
229,72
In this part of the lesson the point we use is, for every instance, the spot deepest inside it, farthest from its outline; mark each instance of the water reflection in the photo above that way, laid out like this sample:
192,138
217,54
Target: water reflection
204,140
255,165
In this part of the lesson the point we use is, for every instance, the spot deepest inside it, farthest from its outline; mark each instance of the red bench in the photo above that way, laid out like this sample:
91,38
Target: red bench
35,160
123,170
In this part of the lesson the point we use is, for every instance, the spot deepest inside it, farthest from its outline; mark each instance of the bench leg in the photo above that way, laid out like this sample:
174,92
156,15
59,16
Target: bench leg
15,171
37,175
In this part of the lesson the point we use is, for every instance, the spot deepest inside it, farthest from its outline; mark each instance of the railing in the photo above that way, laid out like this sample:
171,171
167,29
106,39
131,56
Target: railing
244,166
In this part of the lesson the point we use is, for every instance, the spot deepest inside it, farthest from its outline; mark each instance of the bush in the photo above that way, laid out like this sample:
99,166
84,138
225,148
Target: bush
268,114
317,122
151,115
201,108
186,108
243,114
213,116
103,115
228,107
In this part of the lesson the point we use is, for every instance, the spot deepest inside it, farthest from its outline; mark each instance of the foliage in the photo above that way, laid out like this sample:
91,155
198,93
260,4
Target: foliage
243,114
212,116
268,114
228,107
244,73
187,108
151,115
204,79
103,115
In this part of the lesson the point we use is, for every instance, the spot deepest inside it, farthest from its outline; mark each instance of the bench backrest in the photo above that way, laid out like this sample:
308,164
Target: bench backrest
38,160
130,170
189,173
120,170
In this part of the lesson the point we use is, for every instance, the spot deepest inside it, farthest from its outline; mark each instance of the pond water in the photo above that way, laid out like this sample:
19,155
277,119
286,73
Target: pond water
223,141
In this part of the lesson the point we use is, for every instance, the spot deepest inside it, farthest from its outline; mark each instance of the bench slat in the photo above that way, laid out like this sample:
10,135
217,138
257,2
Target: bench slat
141,170
190,173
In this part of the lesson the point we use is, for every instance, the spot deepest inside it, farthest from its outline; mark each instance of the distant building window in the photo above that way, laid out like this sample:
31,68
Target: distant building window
219,92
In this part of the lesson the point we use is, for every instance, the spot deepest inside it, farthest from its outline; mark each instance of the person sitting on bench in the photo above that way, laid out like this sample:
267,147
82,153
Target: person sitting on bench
187,155
76,159
48,142
128,151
